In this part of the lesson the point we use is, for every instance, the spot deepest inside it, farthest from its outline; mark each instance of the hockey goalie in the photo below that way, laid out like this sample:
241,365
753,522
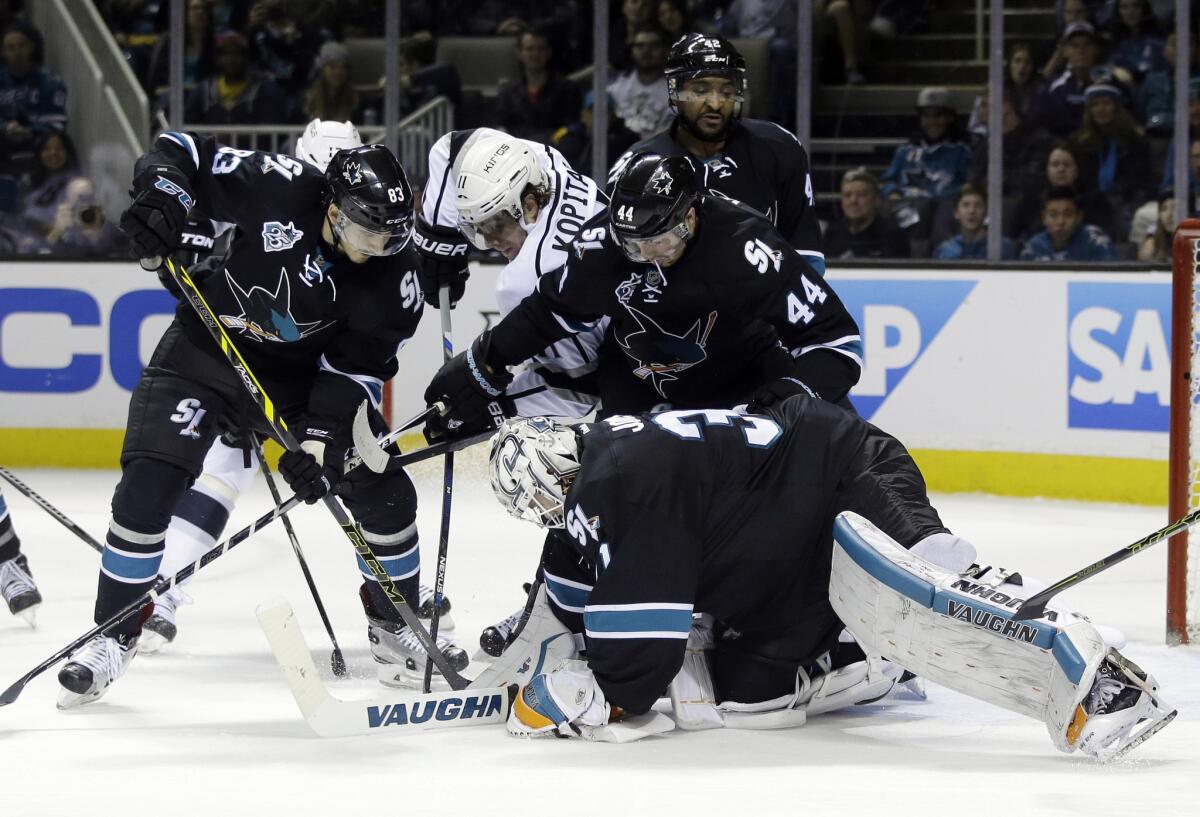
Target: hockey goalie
760,569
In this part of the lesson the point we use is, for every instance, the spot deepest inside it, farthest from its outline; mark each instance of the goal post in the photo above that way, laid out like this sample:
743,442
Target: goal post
1183,557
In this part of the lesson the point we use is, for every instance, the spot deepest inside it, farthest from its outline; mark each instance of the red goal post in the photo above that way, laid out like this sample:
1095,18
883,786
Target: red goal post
1183,557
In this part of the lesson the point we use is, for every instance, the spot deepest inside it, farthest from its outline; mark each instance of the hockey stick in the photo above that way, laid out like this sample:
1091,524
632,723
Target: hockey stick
447,495
50,509
1035,605
14,691
336,660
332,717
264,402
370,451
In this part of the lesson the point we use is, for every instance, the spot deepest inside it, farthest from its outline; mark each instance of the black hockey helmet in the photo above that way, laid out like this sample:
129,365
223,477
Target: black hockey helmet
374,200
649,204
703,55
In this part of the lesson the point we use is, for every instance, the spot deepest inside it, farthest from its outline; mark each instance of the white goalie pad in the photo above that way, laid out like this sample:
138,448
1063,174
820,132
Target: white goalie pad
960,634
543,644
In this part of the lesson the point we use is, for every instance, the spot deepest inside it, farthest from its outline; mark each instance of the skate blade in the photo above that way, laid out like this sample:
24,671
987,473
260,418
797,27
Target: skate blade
398,676
73,700
29,615
1140,737
151,642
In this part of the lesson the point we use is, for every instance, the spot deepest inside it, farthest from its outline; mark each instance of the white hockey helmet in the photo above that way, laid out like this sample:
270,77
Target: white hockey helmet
323,138
492,174
533,462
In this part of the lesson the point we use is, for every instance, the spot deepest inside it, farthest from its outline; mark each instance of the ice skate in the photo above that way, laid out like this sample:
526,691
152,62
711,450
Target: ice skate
18,589
425,610
94,668
496,638
1120,712
160,629
401,658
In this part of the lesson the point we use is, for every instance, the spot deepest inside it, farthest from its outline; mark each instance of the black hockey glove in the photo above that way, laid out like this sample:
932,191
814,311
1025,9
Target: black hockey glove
162,199
473,393
314,470
776,391
443,262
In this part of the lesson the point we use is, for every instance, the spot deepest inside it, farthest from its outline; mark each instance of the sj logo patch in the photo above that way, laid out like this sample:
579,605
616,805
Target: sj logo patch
278,236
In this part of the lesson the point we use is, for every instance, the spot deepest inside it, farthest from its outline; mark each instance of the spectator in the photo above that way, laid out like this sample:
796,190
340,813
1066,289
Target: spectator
57,165
1060,108
574,141
640,93
971,242
1157,96
634,13
198,49
1168,178
864,231
1137,41
422,78
1070,11
278,46
32,99
675,20
927,173
775,22
1157,245
1066,237
539,101
80,229
1022,84
1113,154
1024,150
235,96
1062,170
331,96
848,17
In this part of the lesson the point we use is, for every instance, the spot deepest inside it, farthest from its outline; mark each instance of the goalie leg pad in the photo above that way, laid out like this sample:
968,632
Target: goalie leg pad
543,644
951,631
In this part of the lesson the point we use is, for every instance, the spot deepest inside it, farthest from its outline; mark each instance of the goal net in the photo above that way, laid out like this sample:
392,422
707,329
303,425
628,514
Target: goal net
1183,572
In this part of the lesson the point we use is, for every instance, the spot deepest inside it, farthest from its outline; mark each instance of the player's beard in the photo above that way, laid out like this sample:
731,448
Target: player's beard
690,124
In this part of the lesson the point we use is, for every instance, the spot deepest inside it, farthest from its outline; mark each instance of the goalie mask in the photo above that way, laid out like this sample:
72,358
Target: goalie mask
532,464
494,173
322,138
374,200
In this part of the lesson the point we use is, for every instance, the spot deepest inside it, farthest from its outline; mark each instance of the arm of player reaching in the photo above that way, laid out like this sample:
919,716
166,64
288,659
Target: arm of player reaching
444,251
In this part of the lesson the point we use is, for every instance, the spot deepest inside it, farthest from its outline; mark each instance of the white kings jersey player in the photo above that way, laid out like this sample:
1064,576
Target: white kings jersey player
475,175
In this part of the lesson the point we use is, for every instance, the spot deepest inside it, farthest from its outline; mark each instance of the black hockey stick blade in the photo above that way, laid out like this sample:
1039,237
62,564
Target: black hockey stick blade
61,517
1035,605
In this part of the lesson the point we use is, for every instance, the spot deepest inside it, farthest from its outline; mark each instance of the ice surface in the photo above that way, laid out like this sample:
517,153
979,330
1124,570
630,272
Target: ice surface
209,728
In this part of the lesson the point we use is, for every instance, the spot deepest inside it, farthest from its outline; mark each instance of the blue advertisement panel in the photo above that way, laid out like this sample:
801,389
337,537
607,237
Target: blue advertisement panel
1118,369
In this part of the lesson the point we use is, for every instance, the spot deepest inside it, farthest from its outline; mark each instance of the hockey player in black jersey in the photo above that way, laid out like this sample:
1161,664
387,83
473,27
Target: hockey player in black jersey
777,528
708,306
319,289
751,160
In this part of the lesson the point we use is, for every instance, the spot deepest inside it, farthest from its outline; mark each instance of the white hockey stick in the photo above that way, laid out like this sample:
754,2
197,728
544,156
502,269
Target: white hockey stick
332,717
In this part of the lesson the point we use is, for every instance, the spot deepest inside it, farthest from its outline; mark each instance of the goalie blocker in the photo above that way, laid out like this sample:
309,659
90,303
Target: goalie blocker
960,634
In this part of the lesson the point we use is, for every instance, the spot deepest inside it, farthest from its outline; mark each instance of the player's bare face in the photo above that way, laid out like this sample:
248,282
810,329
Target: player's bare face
1061,218
503,234
707,103
664,249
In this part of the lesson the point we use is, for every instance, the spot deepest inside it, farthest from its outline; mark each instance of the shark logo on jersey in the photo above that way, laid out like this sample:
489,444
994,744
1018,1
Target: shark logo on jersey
661,181
660,355
268,315
278,236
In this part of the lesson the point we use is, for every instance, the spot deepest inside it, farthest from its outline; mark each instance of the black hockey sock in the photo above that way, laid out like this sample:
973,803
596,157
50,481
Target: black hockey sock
128,568
10,544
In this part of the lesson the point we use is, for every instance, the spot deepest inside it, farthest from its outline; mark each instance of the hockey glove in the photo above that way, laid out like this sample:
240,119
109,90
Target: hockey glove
472,391
314,470
162,199
566,702
443,262
776,391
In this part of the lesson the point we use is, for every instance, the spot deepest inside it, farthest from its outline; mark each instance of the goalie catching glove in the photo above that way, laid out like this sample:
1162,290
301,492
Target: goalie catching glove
443,262
162,199
472,391
313,470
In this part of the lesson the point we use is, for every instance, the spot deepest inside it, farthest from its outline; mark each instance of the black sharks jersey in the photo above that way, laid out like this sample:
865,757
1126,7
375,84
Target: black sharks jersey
764,167
710,511
738,309
292,303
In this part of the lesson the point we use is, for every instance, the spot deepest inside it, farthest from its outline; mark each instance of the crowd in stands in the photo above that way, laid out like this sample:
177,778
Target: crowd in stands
1087,122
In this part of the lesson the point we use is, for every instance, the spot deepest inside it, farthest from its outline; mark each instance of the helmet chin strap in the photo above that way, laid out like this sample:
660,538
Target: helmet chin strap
337,241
